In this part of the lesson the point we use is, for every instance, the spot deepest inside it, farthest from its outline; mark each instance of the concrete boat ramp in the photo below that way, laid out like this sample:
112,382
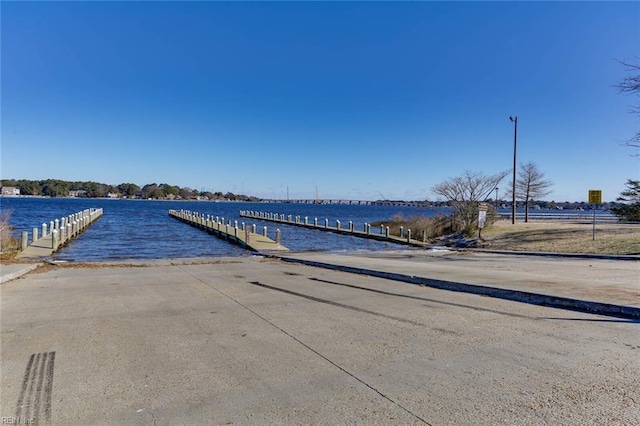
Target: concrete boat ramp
259,340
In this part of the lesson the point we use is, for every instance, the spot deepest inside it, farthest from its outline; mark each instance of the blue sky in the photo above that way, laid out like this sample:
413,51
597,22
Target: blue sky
362,100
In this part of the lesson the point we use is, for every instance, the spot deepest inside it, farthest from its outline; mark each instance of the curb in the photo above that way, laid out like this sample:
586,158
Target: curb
559,302
17,274
551,254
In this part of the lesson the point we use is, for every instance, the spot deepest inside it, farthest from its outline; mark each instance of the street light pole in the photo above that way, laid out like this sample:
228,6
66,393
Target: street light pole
515,143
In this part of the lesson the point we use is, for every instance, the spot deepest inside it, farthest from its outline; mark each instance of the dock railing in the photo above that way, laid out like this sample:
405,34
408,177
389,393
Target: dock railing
381,234
244,235
52,236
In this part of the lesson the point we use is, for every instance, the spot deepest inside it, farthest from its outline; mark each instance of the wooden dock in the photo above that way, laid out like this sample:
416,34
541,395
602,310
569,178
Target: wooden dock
58,233
377,233
244,236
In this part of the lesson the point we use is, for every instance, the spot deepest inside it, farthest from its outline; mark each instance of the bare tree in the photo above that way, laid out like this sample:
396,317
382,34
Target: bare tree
465,193
631,85
531,185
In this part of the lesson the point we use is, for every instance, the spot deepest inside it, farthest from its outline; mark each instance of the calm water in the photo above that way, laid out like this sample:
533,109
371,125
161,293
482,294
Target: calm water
142,229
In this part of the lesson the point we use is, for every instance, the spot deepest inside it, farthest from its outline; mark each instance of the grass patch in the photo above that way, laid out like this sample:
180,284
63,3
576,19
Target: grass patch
537,236
563,237
9,245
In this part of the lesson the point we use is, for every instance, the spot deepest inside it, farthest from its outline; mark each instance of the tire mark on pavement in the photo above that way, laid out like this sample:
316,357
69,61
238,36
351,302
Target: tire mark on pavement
291,336
330,302
34,402
388,293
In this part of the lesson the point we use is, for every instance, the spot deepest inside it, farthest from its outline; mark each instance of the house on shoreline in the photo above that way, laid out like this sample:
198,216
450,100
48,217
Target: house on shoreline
10,190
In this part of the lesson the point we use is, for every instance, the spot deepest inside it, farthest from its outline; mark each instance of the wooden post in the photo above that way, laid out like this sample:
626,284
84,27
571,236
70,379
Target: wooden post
44,230
408,235
278,236
34,234
24,240
54,240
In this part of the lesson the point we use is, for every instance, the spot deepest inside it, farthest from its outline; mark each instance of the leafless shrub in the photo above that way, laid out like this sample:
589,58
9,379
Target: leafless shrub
433,227
8,243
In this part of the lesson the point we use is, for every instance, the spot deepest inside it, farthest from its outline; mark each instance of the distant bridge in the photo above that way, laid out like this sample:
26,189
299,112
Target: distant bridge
351,202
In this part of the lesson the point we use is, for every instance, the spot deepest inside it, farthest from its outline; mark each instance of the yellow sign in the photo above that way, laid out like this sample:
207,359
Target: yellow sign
595,196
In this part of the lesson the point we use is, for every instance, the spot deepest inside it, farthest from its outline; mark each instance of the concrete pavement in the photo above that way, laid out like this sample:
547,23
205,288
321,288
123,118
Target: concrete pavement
11,271
259,341
592,285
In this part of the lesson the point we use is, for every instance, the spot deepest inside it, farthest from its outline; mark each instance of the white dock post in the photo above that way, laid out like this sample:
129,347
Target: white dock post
401,231
264,231
44,230
278,236
24,236
54,240
408,235
34,234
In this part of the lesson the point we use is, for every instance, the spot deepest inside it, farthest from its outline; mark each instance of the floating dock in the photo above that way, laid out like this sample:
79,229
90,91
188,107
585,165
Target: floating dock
244,236
58,233
381,233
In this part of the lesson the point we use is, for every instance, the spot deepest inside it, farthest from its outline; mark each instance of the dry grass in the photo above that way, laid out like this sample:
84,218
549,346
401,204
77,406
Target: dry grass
562,237
9,245
434,226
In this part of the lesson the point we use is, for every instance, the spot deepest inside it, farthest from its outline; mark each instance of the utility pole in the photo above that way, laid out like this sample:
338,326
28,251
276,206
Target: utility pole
514,119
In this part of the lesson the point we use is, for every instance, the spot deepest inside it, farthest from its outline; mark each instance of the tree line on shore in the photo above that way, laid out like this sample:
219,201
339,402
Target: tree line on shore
90,189
163,191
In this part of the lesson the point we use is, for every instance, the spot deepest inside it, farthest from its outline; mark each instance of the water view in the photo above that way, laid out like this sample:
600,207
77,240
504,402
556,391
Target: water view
142,229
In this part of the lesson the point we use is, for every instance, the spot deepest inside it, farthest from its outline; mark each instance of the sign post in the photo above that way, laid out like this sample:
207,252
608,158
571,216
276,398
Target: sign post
482,217
595,198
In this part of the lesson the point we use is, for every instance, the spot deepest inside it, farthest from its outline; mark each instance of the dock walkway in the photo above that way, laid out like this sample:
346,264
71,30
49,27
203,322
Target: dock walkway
380,234
244,236
57,234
